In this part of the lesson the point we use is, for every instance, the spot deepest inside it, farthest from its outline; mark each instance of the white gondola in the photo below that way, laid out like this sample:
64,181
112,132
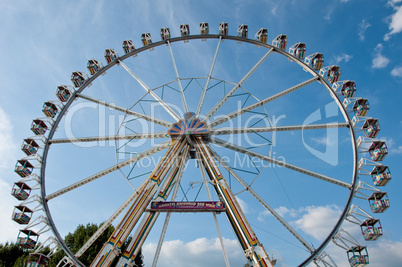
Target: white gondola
242,31
371,229
380,175
361,107
315,60
23,168
358,256
184,30
37,260
110,55
22,214
63,93
21,190
128,46
379,202
165,34
39,127
78,78
371,128
378,150
280,41
94,66
29,147
50,109
27,238
204,28
262,35
298,50
223,28
146,39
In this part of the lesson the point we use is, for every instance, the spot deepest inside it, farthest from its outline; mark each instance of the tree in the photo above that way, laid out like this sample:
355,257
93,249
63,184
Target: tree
9,254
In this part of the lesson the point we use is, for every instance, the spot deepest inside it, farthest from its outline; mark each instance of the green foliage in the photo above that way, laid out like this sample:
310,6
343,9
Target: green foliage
12,255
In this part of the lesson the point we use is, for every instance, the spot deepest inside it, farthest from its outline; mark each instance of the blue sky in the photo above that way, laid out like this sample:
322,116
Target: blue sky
43,43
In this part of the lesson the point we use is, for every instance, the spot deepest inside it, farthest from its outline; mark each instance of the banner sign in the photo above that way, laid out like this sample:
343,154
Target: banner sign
197,206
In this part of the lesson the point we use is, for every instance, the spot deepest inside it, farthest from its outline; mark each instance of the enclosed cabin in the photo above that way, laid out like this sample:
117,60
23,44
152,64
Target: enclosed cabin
22,214
378,150
78,78
358,256
184,30
110,55
262,35
381,175
315,61
333,74
37,260
21,190
165,34
27,238
94,66
379,202
50,109
223,28
280,41
23,168
29,147
38,127
204,28
371,229
371,128
348,89
128,46
242,31
63,93
146,39
361,107
298,50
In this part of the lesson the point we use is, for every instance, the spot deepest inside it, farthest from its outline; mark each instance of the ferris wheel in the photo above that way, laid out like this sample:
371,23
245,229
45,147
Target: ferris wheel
199,125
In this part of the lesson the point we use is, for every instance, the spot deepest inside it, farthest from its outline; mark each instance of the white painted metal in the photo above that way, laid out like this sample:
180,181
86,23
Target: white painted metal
183,98
218,105
261,200
91,178
127,111
109,138
239,112
152,93
201,103
279,162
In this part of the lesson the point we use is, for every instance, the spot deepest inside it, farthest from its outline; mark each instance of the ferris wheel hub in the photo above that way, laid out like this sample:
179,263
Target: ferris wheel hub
190,125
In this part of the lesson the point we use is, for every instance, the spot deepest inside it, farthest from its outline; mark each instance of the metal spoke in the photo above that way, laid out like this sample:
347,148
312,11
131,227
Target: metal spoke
109,138
251,153
201,103
91,178
241,111
106,224
224,131
127,111
167,218
152,93
234,89
261,200
183,98
204,178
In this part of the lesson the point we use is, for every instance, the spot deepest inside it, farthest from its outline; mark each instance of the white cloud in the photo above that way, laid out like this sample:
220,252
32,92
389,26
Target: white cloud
243,205
342,57
283,211
395,25
324,141
200,252
8,228
7,145
397,72
379,61
319,221
362,27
